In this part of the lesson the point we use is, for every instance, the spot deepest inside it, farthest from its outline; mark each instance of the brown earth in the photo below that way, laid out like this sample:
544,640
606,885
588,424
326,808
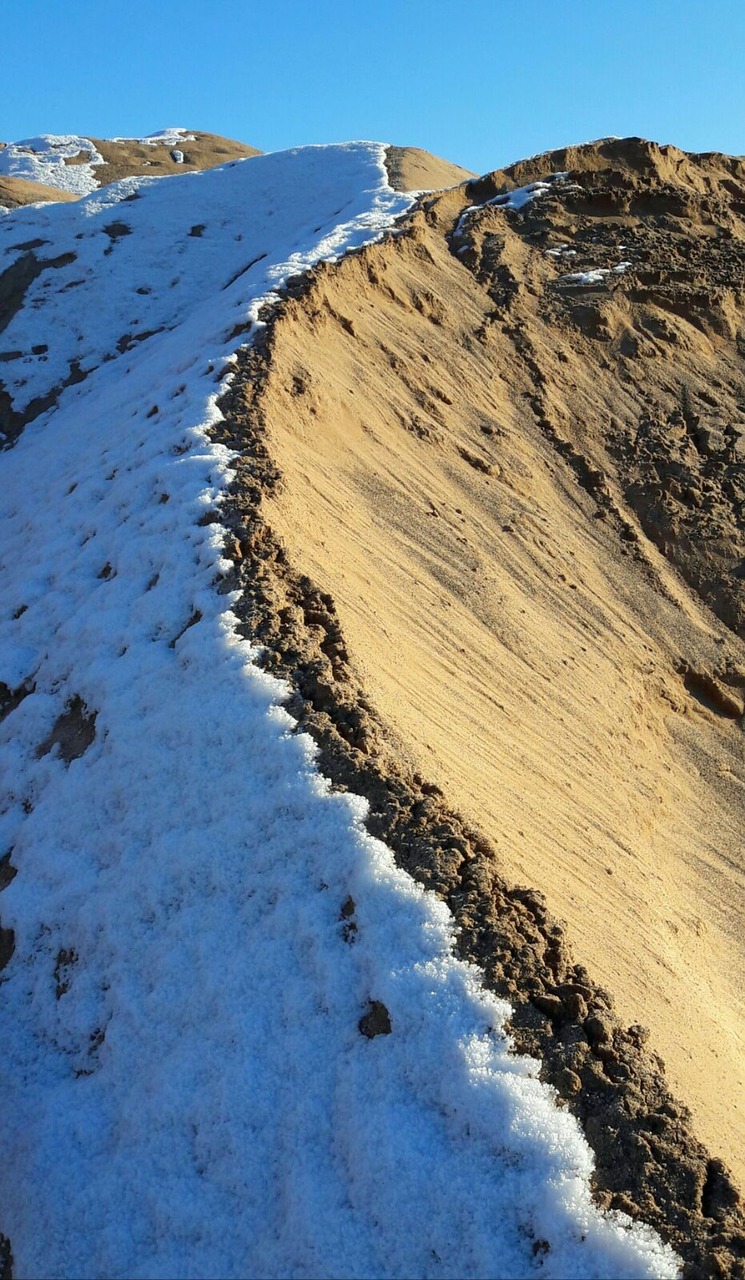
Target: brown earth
487,642
130,158
15,192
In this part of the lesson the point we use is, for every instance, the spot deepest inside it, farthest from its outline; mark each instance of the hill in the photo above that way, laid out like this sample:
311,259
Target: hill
464,471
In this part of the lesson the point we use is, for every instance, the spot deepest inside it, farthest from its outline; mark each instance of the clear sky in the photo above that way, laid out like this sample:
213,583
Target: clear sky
481,82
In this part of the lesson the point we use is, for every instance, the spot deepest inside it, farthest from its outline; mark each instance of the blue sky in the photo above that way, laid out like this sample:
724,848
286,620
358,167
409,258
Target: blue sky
481,83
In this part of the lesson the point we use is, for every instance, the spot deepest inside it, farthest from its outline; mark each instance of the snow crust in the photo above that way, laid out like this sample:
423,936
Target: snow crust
164,137
186,1091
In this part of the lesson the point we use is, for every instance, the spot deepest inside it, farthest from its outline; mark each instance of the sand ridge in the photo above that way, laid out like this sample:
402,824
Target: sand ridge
411,169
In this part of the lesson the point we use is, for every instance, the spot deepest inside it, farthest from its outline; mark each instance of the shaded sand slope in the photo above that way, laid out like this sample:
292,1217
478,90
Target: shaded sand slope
15,192
454,441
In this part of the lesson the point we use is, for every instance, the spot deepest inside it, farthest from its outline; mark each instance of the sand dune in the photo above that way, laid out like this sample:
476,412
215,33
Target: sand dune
411,169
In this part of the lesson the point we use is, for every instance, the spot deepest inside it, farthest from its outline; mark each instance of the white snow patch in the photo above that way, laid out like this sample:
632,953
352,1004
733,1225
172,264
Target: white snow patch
599,275
177,156
163,138
186,1092
43,159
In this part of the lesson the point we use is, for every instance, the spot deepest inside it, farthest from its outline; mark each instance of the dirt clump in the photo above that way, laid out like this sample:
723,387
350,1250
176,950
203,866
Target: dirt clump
73,732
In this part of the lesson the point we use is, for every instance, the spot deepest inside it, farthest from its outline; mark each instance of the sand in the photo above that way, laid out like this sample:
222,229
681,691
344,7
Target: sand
15,192
129,157
411,169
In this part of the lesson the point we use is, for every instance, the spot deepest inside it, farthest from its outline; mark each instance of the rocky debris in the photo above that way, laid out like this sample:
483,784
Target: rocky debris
349,924
73,732
376,1022
7,946
686,481
12,698
7,871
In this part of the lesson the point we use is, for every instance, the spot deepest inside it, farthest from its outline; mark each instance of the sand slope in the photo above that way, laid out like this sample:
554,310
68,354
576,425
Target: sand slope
15,192
441,429
128,157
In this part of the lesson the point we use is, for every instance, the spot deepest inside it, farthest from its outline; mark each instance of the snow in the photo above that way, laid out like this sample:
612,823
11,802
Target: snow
43,159
164,138
598,275
186,1090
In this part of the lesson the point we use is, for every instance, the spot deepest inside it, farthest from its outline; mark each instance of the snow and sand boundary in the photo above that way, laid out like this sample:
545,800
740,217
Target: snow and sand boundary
187,1089
321,412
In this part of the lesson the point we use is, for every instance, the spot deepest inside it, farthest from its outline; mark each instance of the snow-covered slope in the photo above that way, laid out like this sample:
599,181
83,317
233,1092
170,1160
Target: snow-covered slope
186,1088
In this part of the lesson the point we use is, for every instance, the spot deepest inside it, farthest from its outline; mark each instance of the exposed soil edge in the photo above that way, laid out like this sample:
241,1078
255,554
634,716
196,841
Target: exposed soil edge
649,1163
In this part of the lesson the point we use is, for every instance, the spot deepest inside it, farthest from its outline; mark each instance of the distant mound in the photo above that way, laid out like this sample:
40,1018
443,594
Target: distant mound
130,157
411,169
